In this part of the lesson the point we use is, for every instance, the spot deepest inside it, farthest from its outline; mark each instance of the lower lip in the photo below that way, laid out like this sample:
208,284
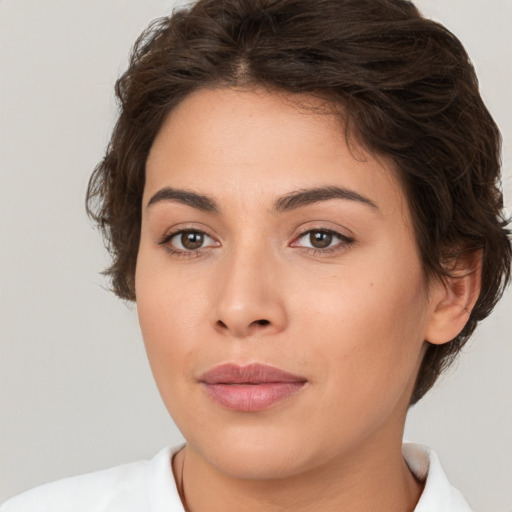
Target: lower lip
252,397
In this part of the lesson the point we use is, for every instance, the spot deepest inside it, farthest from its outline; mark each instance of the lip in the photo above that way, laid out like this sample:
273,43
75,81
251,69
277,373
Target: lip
250,388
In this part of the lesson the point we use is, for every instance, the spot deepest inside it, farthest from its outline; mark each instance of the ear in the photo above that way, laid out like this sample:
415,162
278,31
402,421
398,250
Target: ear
453,298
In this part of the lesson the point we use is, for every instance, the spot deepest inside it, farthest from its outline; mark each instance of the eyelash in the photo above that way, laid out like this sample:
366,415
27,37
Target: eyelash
179,253
344,241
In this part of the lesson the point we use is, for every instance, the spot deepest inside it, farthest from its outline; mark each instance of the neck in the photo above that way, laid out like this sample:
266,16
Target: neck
373,478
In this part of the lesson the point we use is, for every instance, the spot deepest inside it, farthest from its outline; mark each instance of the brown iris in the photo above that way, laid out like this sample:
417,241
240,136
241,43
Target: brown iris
320,239
192,240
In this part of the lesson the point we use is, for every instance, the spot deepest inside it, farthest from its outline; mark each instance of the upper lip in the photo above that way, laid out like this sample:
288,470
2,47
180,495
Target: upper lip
250,374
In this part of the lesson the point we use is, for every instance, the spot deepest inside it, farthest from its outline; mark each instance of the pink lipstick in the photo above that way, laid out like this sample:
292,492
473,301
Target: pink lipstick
250,388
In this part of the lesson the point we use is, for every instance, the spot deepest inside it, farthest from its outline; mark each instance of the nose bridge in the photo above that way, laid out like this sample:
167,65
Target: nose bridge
249,299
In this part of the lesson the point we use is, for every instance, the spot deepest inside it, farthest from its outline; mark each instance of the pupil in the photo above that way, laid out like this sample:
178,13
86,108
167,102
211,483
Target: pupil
192,240
320,240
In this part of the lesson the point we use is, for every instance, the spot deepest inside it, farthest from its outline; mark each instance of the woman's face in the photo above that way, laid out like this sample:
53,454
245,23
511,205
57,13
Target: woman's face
266,241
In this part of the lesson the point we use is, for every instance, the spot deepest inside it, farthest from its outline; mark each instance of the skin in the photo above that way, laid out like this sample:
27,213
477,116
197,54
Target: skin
351,318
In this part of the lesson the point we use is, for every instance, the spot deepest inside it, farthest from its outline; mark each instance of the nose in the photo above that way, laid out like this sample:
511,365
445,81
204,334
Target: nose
249,299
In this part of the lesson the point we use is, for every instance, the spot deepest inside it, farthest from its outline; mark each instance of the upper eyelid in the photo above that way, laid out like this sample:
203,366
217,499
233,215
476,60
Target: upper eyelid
324,229
334,231
184,227
177,230
174,233
343,238
301,233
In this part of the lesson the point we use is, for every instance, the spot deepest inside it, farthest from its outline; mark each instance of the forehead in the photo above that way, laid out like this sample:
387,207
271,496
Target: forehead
242,142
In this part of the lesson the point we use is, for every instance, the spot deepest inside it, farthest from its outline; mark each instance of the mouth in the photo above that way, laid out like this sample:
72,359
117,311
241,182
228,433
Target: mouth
250,388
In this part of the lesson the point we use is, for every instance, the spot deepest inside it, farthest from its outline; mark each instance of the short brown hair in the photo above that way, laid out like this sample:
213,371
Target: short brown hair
406,89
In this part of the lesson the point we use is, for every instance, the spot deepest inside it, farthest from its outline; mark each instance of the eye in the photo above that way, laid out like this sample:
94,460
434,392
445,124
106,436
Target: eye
322,240
187,241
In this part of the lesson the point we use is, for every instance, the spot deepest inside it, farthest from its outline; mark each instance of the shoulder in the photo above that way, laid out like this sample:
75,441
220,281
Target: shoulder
438,495
82,493
121,488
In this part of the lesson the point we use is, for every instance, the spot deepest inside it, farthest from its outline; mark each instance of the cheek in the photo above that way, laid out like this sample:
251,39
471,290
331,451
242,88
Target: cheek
167,320
168,312
368,330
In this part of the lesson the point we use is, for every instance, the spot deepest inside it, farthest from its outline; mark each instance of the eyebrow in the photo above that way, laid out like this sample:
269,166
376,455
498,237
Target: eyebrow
304,197
199,201
291,201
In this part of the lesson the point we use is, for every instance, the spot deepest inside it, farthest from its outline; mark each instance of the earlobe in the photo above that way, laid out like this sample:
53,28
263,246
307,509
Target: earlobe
453,298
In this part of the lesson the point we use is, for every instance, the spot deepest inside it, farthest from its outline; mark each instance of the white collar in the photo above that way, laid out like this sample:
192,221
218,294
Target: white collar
438,495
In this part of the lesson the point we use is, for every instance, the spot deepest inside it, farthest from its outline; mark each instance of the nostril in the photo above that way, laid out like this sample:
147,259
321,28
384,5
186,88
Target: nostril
222,325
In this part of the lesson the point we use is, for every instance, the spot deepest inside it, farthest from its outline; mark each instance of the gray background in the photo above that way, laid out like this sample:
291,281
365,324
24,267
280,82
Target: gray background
76,393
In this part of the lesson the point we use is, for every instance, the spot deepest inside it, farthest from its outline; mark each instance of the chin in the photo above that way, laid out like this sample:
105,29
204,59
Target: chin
257,463
257,454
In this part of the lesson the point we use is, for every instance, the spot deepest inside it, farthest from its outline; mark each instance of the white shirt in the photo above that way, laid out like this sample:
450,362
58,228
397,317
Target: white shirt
149,486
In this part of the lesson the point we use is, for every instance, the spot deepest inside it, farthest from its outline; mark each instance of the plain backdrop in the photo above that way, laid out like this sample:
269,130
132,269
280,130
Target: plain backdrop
76,393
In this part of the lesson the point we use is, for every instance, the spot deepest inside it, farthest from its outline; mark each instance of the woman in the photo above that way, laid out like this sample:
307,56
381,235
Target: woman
301,198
